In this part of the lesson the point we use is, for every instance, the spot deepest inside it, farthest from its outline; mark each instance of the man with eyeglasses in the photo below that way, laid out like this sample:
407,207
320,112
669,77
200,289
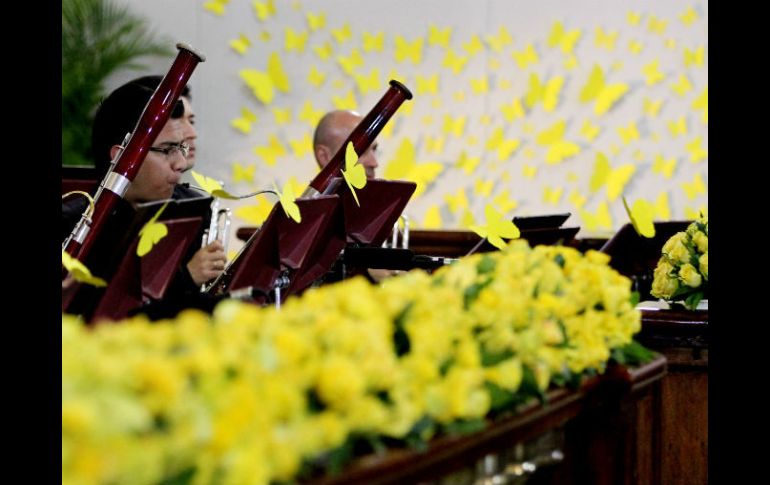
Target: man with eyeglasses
156,180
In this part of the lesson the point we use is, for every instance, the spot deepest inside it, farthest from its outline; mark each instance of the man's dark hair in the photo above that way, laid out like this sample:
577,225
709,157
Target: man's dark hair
118,115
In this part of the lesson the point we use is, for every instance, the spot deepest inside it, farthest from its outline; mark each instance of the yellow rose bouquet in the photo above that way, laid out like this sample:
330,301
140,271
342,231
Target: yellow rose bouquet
682,273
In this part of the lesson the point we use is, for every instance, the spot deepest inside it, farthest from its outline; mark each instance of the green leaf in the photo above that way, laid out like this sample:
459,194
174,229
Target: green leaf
339,457
634,298
182,478
463,427
486,265
559,260
692,301
633,353
500,399
489,359
472,292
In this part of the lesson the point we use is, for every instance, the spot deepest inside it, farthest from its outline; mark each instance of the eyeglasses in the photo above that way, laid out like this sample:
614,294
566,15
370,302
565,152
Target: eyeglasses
170,148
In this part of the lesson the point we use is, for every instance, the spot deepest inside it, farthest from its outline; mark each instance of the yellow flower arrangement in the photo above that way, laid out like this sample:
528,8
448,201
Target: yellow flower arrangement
259,395
682,272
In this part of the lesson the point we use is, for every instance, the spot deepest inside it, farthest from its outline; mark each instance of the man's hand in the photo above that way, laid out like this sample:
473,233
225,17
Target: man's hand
207,263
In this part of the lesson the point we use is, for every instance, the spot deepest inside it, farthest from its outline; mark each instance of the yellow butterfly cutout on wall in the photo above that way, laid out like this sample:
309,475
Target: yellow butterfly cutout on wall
662,210
628,134
559,149
212,186
702,103
499,41
453,61
576,199
670,43
368,83
691,213
439,37
635,46
570,62
264,36
457,201
601,219
473,46
323,51
529,171
316,77
696,151
480,86
605,95
240,44
302,146
525,57
566,40
483,187
695,188
79,271
642,216
351,62
432,219
677,127
504,147
347,102
427,84
614,179
287,199
255,214
454,126
552,195
467,220
652,108
633,18
296,186
688,16
263,10
656,26
505,176
652,74
682,86
404,166
504,202
373,42
589,130
494,64
513,111
295,41
277,73
281,115
468,164
496,228
151,233
694,57
342,34
605,39
405,50
354,173
217,7
260,83
243,124
664,166
310,114
315,21
243,173
270,152
547,92
434,144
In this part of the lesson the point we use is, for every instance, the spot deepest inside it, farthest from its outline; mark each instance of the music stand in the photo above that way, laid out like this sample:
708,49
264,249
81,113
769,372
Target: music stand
550,221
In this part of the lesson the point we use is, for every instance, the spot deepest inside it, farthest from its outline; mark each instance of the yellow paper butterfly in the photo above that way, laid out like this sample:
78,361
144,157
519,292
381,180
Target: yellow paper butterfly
212,186
682,86
473,46
295,41
368,83
309,114
342,34
552,195
287,200
559,149
504,147
483,187
296,186
243,124
652,108
434,145
217,7
467,219
263,10
628,134
439,37
454,62
349,63
576,199
271,151
606,95
664,166
260,83
589,130
347,102
702,103
255,214
695,188
696,151
525,57
570,62
456,202
468,164
404,166
323,51
614,179
504,202
354,173
264,36
316,77
277,73
494,63
302,146
427,84
656,26
282,116
373,42
670,43
408,51
79,271
513,111
454,126
688,16
572,177
565,40
641,216
635,46
691,213
505,176
387,131
480,86
499,41
241,44
600,219
151,233
315,21
432,218
652,73
605,39
243,174
662,210
529,171
496,228
677,127
694,57
547,92
633,18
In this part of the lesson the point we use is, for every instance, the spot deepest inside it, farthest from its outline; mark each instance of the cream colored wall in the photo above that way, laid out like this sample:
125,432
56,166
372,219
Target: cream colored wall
666,33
